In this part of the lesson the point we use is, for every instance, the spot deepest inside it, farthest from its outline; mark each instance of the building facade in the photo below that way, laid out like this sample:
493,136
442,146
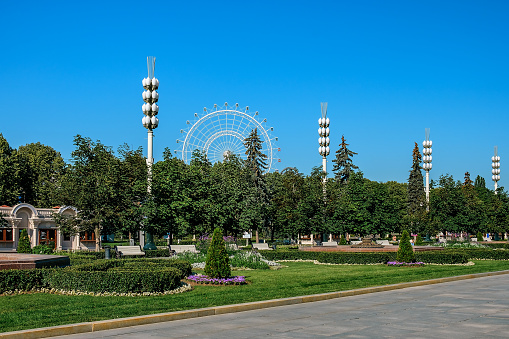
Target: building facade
41,228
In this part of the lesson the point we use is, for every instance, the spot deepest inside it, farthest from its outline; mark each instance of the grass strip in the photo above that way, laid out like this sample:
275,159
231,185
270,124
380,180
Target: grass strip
18,312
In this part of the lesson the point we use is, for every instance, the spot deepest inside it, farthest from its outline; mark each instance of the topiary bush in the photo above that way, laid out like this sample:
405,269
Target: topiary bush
418,240
24,243
479,236
342,240
217,264
405,250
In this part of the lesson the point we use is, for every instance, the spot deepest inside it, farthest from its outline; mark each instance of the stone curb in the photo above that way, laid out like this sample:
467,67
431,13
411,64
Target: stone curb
188,314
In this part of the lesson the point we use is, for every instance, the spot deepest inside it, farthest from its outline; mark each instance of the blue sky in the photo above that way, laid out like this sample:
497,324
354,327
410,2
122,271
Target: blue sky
388,70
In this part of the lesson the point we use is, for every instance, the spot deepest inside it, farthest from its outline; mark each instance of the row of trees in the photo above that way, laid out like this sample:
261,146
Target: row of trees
110,191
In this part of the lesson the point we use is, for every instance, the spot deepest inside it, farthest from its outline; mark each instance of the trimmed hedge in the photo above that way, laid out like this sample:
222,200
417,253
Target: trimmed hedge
432,257
497,245
25,280
486,253
121,281
122,276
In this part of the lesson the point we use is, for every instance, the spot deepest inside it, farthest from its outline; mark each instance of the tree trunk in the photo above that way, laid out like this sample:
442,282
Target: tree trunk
97,239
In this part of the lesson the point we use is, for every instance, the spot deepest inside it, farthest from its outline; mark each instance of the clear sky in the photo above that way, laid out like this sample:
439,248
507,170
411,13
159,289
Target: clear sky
388,70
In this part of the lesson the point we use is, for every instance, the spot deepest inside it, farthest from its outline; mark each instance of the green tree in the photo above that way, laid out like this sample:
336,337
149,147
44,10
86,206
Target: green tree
24,242
96,185
405,250
168,207
416,196
217,264
343,164
255,215
10,189
41,168
479,182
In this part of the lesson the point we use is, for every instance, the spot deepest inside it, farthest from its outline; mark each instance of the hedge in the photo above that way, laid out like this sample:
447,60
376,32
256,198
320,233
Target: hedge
432,257
486,253
121,281
24,280
122,276
496,245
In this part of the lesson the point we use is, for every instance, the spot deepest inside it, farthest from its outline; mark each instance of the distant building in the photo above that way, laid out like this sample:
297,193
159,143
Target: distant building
41,228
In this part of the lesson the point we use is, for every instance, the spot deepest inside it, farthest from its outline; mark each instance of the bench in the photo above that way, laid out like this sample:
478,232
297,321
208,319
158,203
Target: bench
329,243
123,251
233,247
183,248
262,246
383,242
355,242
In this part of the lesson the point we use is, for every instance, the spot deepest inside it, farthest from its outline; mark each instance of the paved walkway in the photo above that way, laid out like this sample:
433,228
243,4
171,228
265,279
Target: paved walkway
475,308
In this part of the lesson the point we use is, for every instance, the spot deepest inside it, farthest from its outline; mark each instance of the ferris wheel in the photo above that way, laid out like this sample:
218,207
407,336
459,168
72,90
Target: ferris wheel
221,131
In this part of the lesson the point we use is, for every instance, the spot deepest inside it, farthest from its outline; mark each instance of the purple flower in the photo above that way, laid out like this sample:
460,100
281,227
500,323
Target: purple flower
237,280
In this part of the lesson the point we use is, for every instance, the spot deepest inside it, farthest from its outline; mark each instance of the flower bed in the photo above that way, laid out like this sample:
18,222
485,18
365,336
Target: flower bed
406,264
203,279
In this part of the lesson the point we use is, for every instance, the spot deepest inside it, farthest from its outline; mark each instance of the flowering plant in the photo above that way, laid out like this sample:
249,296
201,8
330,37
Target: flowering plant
397,263
203,279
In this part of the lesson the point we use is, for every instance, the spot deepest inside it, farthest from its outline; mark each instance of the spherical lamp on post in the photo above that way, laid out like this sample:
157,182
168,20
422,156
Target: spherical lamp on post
495,168
323,149
426,159
150,122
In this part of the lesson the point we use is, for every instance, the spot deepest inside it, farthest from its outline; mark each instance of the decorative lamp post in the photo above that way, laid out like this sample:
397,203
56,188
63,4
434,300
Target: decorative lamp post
426,159
495,168
324,140
324,150
150,122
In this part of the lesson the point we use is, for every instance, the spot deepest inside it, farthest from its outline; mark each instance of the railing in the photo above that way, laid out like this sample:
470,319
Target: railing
45,214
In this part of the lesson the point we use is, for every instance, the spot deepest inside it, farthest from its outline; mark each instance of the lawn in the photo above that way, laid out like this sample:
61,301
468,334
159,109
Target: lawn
299,278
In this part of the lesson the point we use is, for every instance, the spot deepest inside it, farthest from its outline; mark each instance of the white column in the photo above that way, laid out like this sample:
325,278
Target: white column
427,191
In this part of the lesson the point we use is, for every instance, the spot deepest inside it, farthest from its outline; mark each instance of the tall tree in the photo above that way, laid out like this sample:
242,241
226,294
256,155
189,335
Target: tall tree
9,174
95,184
480,182
257,202
41,169
343,164
416,196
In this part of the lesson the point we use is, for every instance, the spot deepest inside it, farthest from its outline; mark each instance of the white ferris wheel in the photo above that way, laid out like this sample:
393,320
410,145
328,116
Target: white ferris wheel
221,131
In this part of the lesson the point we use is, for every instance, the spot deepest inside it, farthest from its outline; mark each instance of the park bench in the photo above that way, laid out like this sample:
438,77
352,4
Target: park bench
383,242
329,243
262,246
183,248
355,242
123,251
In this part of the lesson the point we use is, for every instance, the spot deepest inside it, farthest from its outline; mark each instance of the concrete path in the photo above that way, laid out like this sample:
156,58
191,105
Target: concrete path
474,308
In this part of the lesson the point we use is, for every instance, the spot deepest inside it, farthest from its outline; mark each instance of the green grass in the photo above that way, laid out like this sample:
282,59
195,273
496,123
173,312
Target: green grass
19,312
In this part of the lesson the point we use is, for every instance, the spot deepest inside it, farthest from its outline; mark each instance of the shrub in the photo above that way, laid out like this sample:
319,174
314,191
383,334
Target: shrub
479,236
405,250
217,264
342,240
25,280
418,240
24,243
116,280
42,249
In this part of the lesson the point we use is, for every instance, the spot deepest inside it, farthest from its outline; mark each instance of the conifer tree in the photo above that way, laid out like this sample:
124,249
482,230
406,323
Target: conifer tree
24,243
405,250
416,194
467,182
256,160
343,165
218,261
480,182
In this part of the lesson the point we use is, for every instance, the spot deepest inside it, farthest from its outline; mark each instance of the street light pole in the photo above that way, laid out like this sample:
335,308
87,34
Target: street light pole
150,122
427,158
324,150
495,168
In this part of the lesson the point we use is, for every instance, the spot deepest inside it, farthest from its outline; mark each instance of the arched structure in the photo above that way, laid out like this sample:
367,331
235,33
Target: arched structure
221,131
